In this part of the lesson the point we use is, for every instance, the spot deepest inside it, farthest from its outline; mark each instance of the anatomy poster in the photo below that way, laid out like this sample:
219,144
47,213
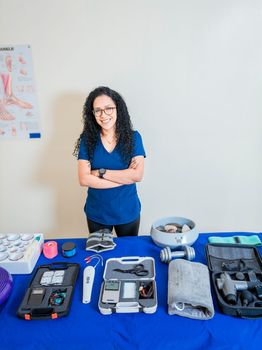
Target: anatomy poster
19,116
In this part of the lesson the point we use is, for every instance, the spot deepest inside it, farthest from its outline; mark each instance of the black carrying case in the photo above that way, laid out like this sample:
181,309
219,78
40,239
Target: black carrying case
228,263
50,292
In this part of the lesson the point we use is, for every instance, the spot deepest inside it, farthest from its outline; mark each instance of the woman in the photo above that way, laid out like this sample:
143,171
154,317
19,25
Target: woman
110,162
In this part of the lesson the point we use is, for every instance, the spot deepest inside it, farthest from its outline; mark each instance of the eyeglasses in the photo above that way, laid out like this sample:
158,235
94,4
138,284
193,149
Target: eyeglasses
99,111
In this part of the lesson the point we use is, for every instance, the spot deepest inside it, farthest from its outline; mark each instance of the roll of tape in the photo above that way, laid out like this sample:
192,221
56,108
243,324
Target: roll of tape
50,249
68,249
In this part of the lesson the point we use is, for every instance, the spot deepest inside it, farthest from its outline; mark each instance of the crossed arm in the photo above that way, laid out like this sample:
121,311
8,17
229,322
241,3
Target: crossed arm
112,178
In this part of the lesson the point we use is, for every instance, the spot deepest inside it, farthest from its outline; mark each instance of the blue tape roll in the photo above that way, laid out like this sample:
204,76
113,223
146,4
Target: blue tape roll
68,249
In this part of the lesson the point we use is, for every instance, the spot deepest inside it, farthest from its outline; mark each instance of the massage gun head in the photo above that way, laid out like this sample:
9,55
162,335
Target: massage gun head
247,297
227,286
167,255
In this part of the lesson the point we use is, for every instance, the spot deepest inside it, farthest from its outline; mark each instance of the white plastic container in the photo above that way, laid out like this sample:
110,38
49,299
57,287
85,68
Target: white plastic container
20,252
126,300
174,240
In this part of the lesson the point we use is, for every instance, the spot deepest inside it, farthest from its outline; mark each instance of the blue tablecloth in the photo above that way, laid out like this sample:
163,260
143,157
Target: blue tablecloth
86,328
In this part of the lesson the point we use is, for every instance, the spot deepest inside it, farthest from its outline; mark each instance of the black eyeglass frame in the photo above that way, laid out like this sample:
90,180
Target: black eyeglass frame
101,110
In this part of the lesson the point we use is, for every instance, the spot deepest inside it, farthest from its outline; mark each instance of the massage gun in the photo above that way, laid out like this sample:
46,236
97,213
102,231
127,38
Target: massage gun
230,287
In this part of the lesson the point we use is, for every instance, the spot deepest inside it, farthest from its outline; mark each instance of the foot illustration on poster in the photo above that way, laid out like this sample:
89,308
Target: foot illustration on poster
18,104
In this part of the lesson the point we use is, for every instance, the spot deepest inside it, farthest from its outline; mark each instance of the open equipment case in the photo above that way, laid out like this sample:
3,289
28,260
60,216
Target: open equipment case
50,292
129,286
236,274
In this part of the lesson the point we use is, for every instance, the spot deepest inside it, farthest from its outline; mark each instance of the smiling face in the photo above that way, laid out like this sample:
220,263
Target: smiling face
104,110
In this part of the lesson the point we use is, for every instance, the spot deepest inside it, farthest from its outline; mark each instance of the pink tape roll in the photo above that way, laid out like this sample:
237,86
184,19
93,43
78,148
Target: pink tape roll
50,249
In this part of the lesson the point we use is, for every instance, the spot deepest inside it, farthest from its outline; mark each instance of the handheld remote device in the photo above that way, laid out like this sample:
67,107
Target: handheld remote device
88,280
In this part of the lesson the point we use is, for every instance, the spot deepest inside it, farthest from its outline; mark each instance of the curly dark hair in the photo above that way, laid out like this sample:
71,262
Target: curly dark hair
91,130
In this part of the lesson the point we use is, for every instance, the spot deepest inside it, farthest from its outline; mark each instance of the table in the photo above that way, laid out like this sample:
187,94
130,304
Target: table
86,328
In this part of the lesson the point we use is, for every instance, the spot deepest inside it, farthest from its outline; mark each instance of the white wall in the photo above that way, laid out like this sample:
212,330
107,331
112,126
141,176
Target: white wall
190,72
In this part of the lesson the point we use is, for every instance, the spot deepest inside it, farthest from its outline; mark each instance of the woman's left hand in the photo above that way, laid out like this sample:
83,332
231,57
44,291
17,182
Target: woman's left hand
95,172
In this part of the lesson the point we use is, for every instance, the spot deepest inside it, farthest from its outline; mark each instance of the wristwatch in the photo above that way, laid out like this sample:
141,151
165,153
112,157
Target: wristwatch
101,173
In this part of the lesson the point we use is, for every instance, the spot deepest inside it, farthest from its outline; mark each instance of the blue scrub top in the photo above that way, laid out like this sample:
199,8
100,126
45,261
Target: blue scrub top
112,206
